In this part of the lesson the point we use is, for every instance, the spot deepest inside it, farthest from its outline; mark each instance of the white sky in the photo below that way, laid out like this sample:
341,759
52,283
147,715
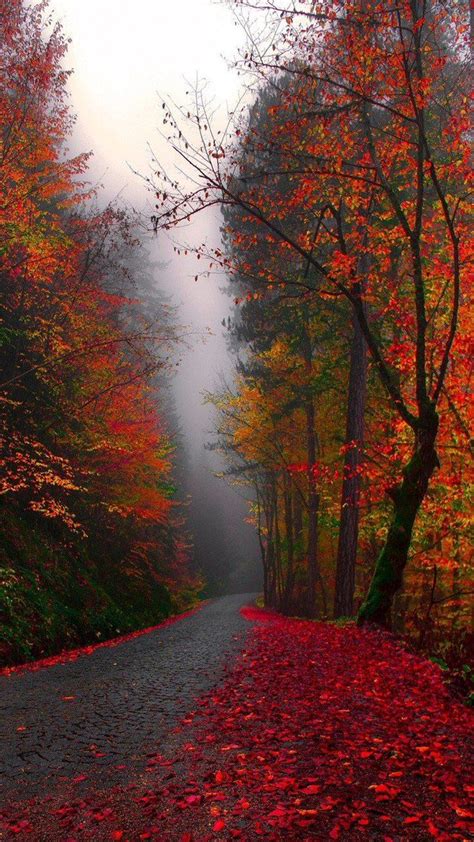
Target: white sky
125,51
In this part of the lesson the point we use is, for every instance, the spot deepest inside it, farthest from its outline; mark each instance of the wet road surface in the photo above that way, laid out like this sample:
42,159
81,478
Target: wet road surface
113,707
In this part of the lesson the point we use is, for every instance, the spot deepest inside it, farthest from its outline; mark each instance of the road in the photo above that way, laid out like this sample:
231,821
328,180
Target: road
115,706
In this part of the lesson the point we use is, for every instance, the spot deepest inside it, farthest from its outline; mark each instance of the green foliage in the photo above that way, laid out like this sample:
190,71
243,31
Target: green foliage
343,622
53,597
455,656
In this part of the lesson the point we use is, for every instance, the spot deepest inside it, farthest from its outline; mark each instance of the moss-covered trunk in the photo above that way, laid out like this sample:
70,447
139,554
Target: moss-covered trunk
407,498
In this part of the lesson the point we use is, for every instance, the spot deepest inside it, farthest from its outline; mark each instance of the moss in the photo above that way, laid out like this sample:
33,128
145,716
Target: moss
342,622
388,574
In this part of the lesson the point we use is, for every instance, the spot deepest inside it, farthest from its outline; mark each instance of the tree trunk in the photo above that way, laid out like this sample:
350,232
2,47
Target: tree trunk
313,511
262,545
407,498
270,579
278,565
271,600
350,498
313,496
290,573
298,521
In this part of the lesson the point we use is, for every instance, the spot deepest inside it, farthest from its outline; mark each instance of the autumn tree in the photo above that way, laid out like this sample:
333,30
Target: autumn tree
375,149
292,360
259,264
87,490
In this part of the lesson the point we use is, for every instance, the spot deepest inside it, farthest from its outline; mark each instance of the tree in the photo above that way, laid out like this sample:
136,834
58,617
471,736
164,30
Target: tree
377,120
256,263
86,480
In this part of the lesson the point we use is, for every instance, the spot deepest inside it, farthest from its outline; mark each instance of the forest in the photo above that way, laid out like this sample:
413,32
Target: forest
344,187
147,689
342,182
93,541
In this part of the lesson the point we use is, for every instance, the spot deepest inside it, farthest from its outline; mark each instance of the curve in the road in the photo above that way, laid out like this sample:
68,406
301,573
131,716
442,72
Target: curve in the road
116,705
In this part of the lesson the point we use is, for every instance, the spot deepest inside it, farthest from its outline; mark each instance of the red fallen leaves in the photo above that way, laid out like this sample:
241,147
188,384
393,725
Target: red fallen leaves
319,725
411,819
193,799
218,825
315,734
465,814
260,615
74,654
22,826
101,815
384,792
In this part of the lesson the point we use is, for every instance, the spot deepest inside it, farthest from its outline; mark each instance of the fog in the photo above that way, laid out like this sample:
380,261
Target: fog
125,57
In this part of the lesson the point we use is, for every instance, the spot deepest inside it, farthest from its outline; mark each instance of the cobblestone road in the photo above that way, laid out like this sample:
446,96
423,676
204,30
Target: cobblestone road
114,706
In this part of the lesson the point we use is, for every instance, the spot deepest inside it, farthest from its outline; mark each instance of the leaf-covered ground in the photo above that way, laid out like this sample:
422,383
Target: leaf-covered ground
317,732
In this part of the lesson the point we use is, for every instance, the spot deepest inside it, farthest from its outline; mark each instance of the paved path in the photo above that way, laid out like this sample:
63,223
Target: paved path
126,700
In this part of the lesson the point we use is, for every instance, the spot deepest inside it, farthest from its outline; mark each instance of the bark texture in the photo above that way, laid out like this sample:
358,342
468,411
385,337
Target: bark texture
351,484
407,498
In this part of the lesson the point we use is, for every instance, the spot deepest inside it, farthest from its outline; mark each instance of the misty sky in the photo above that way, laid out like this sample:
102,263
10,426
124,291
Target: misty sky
124,53
124,56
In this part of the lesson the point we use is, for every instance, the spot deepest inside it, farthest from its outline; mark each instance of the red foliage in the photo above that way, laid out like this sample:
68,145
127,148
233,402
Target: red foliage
86,455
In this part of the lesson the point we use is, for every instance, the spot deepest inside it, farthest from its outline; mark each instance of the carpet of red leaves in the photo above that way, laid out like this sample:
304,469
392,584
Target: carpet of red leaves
318,732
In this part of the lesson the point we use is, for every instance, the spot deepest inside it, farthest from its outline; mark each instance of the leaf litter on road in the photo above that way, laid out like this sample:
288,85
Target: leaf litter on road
316,732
